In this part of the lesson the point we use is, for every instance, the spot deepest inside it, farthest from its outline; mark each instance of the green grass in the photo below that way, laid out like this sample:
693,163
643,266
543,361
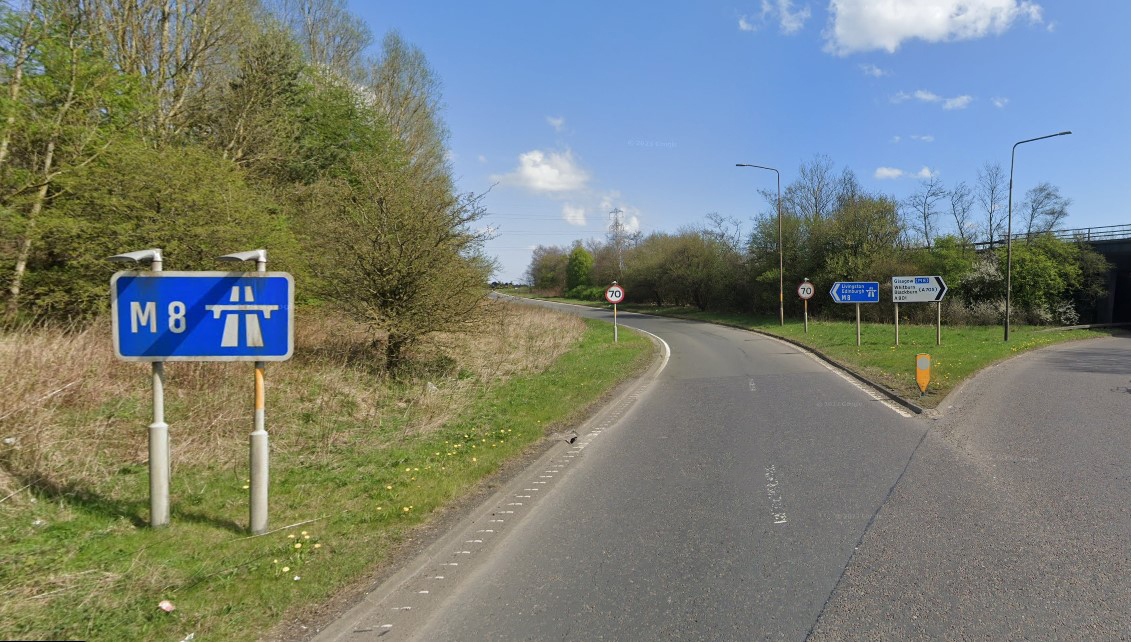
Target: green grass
86,567
964,351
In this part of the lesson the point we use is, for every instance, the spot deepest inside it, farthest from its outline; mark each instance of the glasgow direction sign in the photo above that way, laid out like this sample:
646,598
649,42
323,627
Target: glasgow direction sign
917,289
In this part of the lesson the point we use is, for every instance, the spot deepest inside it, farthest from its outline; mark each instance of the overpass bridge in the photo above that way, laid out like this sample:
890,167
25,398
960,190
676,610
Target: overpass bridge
1114,243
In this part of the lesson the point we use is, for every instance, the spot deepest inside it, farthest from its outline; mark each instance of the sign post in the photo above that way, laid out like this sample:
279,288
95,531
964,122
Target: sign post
856,292
614,295
806,291
158,430
919,289
258,450
207,316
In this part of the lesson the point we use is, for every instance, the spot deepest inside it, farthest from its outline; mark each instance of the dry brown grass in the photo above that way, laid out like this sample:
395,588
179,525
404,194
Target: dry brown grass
71,414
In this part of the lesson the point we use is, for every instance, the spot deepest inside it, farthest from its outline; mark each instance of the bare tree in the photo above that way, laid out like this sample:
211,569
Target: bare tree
922,207
961,209
1044,208
991,194
180,48
332,37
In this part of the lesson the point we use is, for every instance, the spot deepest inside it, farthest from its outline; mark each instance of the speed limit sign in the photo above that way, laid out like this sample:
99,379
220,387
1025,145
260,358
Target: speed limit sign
615,294
805,290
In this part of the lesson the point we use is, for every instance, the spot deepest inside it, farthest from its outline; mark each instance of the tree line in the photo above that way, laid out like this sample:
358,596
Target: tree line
832,229
209,126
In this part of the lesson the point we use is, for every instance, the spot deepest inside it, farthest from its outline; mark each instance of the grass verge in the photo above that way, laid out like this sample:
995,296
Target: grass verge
354,474
964,351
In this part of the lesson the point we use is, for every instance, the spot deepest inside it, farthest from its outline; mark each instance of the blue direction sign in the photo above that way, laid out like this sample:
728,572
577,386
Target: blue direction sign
855,292
203,316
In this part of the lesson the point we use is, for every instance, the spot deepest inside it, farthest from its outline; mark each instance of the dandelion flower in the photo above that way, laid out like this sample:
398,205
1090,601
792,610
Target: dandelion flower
245,486
286,568
317,546
474,459
388,488
306,537
378,508
298,544
406,509
291,536
275,562
304,532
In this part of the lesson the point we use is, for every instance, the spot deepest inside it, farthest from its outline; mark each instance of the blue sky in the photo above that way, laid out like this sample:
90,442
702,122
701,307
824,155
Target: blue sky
572,108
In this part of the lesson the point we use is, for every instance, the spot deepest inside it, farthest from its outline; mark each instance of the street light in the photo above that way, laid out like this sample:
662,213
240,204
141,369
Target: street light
1009,229
781,261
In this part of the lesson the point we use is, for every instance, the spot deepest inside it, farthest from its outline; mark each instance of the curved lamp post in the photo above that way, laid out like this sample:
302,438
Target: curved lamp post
781,274
1009,229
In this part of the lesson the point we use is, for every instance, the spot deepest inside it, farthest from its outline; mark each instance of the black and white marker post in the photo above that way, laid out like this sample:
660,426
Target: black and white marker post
614,295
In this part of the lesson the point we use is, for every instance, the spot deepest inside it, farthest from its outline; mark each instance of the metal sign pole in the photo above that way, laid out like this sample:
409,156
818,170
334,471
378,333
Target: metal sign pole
158,429
938,328
806,304
615,339
258,446
896,324
857,324
158,439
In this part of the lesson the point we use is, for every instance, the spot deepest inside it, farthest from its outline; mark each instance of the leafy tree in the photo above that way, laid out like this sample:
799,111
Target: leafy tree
547,271
404,264
579,268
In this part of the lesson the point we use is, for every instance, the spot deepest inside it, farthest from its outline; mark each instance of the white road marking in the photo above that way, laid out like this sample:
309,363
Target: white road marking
777,505
891,405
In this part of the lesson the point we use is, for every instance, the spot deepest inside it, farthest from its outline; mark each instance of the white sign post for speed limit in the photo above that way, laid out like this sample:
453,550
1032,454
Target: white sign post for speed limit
806,290
614,295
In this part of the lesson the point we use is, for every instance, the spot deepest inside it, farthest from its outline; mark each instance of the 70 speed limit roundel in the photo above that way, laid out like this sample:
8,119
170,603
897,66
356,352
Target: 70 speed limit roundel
806,290
615,294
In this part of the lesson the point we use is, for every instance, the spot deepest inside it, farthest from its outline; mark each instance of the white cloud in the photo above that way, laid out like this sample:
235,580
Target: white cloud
924,96
546,172
789,21
867,25
874,71
958,102
924,138
482,158
557,122
999,102
573,215
892,173
896,139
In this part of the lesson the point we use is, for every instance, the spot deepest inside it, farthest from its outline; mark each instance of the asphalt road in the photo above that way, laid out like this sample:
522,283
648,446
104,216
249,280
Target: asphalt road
1014,518
746,491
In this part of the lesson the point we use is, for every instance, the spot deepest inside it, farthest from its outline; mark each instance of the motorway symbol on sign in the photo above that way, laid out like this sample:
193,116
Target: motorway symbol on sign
917,289
203,316
855,292
615,294
806,290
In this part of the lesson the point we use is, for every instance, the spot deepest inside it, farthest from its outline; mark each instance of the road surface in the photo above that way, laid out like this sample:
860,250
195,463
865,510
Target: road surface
747,491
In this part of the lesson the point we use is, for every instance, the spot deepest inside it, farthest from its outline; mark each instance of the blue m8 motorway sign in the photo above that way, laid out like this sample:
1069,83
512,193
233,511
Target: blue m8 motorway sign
203,316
